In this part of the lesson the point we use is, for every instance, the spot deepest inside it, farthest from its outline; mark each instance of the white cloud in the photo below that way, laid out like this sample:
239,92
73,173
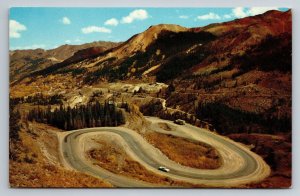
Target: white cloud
55,46
112,22
260,10
34,46
66,20
209,16
135,15
184,17
240,12
77,40
227,16
95,29
15,29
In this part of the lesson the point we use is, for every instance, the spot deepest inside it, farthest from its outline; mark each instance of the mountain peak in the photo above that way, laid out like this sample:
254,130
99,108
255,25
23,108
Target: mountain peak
273,22
166,27
141,41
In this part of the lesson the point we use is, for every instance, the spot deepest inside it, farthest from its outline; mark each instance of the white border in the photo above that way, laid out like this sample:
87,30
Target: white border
4,70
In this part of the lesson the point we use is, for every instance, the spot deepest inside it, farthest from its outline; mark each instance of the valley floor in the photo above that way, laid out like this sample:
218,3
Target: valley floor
37,159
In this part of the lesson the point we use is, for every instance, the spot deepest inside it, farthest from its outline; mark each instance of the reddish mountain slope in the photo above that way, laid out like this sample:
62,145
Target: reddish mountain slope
242,66
24,62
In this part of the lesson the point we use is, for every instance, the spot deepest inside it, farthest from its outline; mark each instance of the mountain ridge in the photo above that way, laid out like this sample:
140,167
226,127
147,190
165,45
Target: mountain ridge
232,78
230,42
235,67
23,62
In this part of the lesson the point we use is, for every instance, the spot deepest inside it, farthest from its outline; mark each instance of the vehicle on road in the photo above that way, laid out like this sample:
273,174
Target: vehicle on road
164,169
235,157
179,122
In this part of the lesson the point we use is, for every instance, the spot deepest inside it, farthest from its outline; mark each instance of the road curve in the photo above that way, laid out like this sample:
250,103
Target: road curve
239,165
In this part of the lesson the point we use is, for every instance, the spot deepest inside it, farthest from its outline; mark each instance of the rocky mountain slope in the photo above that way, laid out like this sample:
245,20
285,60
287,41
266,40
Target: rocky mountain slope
242,68
234,78
23,62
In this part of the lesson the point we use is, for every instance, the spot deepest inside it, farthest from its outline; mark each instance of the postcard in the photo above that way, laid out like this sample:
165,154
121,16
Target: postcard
150,97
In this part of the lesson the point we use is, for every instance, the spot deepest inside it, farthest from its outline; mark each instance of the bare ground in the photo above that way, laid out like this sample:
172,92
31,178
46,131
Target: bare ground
114,158
185,152
35,162
276,151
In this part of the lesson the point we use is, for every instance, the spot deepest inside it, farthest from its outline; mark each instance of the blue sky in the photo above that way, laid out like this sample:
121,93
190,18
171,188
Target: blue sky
51,27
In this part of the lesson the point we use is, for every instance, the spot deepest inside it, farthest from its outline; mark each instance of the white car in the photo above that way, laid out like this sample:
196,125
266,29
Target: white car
179,122
164,169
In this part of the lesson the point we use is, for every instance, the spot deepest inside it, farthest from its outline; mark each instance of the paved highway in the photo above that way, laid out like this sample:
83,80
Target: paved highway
239,164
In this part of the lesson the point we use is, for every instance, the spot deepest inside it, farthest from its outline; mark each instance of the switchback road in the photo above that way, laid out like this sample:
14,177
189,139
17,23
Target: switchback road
239,165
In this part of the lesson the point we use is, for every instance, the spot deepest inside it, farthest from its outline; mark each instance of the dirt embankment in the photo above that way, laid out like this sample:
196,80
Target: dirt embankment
185,152
43,174
276,151
35,161
114,158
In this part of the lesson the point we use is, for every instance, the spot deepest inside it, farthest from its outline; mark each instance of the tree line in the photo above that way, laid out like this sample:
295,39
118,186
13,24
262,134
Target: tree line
14,120
14,126
228,120
40,99
84,116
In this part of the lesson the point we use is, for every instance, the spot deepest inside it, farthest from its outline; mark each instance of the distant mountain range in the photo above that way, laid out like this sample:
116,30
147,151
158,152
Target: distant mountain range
244,64
165,50
24,62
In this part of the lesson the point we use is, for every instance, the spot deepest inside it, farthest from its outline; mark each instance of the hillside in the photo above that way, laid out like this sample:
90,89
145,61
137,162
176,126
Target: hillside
243,66
24,62
232,78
